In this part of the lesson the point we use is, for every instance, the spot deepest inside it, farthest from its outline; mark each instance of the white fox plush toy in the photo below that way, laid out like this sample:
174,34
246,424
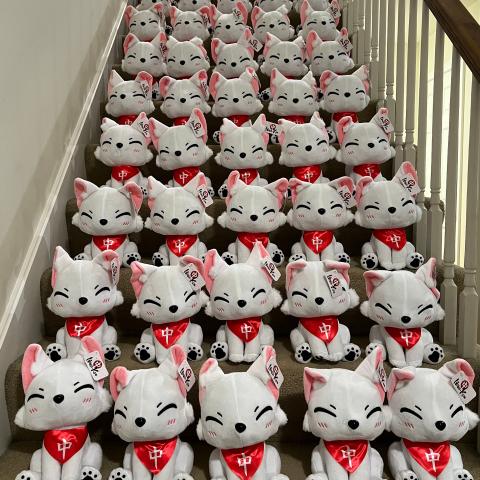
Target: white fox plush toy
189,24
253,211
244,149
182,149
287,57
178,213
231,59
125,148
345,410
184,59
180,97
109,216
240,294
167,299
83,292
427,410
317,294
275,22
402,304
60,399
229,27
333,55
151,411
127,99
238,413
318,209
364,147
305,147
145,24
320,21
388,207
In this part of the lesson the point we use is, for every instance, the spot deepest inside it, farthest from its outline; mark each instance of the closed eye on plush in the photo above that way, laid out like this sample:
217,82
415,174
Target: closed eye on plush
189,296
235,210
156,57
337,205
263,411
124,214
170,97
158,215
277,57
292,145
106,142
153,21
164,151
194,95
382,141
133,142
411,412
383,307
195,57
86,214
103,289
301,294
407,202
311,22
198,21
282,97
355,144
320,142
244,59
333,93
193,212
222,98
426,307
138,94
165,408
360,91
246,95
457,410
308,95
119,412
318,56
148,300
213,419
373,410
83,387
229,150
222,299
113,95
282,22
270,210
371,206
34,395
258,292
302,205
132,55
324,410
61,294
341,53
258,149
171,60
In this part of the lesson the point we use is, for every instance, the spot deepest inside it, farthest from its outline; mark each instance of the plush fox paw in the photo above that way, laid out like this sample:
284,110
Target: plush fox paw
462,475
56,351
223,191
131,257
303,353
278,257
332,136
182,476
219,351
28,475
194,352
159,260
229,258
342,257
120,474
280,476
317,476
433,353
296,256
369,261
144,352
265,95
406,475
112,352
415,260
372,346
90,473
352,352
80,256
216,136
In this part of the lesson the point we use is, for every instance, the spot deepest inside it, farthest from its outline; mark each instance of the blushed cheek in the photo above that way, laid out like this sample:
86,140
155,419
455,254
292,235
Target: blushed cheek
33,411
87,400
212,434
172,421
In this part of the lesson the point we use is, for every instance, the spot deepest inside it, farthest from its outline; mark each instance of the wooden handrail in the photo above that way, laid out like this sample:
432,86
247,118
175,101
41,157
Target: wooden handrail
462,29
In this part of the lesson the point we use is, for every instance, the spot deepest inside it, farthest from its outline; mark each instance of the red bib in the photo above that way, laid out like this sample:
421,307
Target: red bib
245,329
367,170
239,120
244,462
155,455
183,175
317,240
249,239
348,453
123,173
432,457
339,115
298,119
106,242
393,238
168,334
62,445
80,327
324,328
180,244
248,175
310,173
179,121
406,337
126,119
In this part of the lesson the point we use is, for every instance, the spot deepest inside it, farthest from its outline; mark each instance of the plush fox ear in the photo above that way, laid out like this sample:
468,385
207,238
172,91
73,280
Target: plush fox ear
34,361
374,278
134,193
164,85
158,8
264,367
427,274
210,372
154,189
343,126
176,360
216,81
250,76
146,83
89,345
174,11
140,274
291,271
119,379
296,186
256,258
406,168
213,265
113,81
309,79
257,13
83,189
234,184
276,79
305,11
244,40
156,130
398,378
270,41
240,6
371,367
362,186
450,369
312,379
216,47
129,42
61,260
141,124
345,188
109,261
313,41
214,15
341,267
197,117
317,121
130,11
192,185
278,188
200,79
107,124
362,73
260,125
205,13
185,260
326,79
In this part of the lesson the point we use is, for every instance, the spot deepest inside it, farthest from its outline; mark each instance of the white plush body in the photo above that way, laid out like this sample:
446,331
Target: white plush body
253,209
239,410
228,27
239,292
424,407
319,207
169,298
151,405
189,24
404,300
364,143
145,24
388,205
184,59
285,56
345,405
61,396
275,22
177,211
143,56
320,21
308,296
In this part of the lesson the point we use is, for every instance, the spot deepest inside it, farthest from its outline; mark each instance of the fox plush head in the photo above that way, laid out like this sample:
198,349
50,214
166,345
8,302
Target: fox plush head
227,6
184,59
148,4
189,24
272,5
239,409
229,27
151,404
275,22
145,24
287,57
60,394
143,56
192,5
320,21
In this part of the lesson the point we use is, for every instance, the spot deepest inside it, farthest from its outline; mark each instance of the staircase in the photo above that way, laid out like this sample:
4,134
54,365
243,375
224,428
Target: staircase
366,19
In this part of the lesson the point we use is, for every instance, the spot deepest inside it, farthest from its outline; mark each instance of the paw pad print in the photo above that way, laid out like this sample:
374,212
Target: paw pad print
229,258
369,261
194,352
409,476
265,95
120,474
112,352
343,257
219,350
80,256
56,352
144,352
144,192
216,136
158,260
331,135
25,475
278,257
435,353
274,138
223,191
132,257
90,473
303,354
211,192
296,256
352,352
463,475
415,261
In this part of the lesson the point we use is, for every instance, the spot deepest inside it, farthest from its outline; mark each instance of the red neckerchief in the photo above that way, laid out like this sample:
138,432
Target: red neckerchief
179,245
298,119
62,445
248,175
179,121
108,242
317,240
126,119
80,327
309,173
393,238
367,170
156,454
183,175
239,120
339,115
432,457
245,329
349,454
168,334
405,337
244,462
249,239
324,328
122,173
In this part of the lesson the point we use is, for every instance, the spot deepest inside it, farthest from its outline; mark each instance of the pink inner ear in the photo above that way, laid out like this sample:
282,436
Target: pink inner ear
145,77
266,138
200,117
243,10
269,353
304,11
372,279
215,44
173,15
281,189
232,180
254,15
118,377
341,127
346,182
28,360
397,375
196,261
273,77
129,40
325,79
151,126
214,84
178,356
137,272
214,14
294,185
129,12
163,85
253,80
310,376
135,194
466,368
290,270
341,267
208,264
311,38
407,167
281,138
362,183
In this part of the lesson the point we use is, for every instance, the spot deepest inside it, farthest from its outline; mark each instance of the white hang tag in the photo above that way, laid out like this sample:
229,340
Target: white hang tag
382,376
333,279
253,42
463,387
275,373
145,88
271,128
204,195
345,43
193,276
143,127
114,266
204,88
334,11
384,123
196,127
205,19
237,14
96,366
347,196
186,374
271,269
409,183
163,49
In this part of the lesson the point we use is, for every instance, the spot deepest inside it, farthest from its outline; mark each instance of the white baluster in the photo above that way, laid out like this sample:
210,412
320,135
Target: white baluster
345,13
367,41
361,31
356,20
400,86
374,90
382,55
391,32
351,16
448,328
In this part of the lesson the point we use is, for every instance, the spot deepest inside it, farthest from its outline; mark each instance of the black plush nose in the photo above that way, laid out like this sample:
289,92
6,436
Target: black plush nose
295,100
271,25
331,57
58,398
321,211
140,421
175,221
103,221
240,427
253,218
347,94
308,148
234,64
286,60
235,100
173,308
392,209
142,24
324,22
370,144
187,22
183,100
353,424
227,27
441,425
319,300
119,145
241,303
405,319
143,60
178,153
243,155
182,62
123,96
83,300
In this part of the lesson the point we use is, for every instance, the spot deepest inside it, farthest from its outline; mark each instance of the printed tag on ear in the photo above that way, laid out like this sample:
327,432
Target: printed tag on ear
115,271
204,88
186,374
237,14
382,376
251,42
334,10
384,123
205,19
197,127
144,127
271,128
271,269
463,387
204,195
347,196
345,43
409,183
145,88
333,279
163,49
275,373
96,366
193,276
